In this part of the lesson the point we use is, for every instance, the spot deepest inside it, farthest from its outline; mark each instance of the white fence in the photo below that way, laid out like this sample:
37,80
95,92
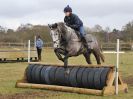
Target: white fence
104,46
13,51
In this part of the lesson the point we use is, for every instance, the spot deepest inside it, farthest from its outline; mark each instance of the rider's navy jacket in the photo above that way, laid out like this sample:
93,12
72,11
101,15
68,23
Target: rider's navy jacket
73,21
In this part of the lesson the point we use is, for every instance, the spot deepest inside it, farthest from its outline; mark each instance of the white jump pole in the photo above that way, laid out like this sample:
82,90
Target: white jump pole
35,42
117,68
28,51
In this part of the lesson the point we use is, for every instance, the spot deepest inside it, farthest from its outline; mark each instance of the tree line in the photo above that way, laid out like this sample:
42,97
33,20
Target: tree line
28,31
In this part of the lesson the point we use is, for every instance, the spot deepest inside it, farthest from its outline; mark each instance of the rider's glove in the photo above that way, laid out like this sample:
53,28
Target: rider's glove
68,24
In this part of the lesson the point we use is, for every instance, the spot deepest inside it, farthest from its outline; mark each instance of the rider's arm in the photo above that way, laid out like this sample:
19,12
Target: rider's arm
65,20
77,22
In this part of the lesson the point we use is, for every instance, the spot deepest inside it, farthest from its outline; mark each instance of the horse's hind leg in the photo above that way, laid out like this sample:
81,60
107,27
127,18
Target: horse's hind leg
87,57
97,57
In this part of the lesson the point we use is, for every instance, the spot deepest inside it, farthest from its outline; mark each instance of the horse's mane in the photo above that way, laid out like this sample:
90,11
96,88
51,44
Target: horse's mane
62,27
65,29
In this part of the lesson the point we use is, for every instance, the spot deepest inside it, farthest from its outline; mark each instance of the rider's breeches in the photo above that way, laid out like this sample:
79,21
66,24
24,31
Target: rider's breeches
82,31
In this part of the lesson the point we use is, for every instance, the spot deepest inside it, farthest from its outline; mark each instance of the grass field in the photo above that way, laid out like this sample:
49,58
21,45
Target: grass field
11,72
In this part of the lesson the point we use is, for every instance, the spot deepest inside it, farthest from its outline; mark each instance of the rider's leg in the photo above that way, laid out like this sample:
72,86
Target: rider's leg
82,32
83,37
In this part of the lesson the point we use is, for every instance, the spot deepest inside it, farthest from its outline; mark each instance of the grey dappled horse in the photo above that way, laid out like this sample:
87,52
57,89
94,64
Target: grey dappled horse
67,43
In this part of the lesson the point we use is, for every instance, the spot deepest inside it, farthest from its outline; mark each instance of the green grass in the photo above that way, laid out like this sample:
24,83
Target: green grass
11,72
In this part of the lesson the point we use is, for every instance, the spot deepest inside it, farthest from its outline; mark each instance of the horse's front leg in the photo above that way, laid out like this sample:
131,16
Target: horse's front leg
58,53
66,61
67,71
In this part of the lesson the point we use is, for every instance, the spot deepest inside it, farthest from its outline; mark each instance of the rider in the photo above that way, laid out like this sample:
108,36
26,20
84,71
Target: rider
73,21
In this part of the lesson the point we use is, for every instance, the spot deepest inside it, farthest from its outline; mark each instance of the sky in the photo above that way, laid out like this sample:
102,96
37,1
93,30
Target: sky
111,13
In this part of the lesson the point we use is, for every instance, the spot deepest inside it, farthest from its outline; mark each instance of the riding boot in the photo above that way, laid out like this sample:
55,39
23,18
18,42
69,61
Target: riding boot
84,40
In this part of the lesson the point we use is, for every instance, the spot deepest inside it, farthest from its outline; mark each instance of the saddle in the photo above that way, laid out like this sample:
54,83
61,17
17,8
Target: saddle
88,40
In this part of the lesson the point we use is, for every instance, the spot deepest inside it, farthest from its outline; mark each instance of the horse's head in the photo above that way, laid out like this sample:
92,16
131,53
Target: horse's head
55,32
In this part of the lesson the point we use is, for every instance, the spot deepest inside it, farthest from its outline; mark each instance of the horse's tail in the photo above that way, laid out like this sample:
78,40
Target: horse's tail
101,56
99,52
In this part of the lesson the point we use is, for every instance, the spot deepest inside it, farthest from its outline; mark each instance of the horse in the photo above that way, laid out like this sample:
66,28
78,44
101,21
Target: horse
67,42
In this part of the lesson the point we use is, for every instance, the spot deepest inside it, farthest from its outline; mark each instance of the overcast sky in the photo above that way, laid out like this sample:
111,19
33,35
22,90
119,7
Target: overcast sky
112,13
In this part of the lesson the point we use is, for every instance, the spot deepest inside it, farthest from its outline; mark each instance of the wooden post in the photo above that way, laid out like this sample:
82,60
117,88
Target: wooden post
60,88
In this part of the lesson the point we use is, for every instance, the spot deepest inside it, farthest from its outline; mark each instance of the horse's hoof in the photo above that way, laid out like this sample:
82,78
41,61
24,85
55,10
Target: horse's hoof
67,72
62,60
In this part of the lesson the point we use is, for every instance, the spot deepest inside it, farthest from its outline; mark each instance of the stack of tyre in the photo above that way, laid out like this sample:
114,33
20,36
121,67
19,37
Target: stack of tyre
82,77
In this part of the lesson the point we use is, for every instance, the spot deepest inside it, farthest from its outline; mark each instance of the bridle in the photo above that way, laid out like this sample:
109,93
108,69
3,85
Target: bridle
57,40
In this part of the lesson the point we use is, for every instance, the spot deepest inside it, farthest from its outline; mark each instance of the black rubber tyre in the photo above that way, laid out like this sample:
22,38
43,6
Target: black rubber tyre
73,77
28,72
97,80
103,77
38,74
67,83
85,77
91,78
33,74
79,76
46,74
52,75
42,77
60,76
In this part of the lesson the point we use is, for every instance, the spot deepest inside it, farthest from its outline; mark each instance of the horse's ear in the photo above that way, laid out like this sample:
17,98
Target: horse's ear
54,26
49,26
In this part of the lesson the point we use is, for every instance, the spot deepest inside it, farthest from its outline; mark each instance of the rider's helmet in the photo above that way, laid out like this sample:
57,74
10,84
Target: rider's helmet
67,9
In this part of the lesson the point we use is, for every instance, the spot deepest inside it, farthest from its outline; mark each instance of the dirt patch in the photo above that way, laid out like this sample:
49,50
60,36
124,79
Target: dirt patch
129,80
30,95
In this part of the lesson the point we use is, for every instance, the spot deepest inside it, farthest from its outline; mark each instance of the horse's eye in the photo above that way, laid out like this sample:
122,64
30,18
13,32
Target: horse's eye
55,34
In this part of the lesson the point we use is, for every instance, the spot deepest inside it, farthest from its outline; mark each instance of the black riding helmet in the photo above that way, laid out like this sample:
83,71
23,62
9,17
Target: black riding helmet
67,9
